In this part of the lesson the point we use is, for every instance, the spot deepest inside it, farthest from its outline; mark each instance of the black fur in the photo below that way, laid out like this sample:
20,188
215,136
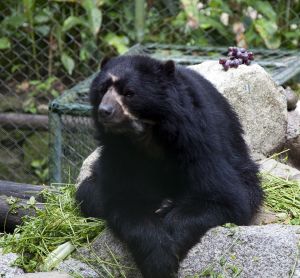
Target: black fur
193,154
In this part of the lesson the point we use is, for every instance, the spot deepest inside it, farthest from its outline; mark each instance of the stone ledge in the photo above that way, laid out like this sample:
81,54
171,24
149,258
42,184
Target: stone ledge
253,251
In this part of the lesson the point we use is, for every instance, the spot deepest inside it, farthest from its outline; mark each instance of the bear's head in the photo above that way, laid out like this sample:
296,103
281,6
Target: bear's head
130,93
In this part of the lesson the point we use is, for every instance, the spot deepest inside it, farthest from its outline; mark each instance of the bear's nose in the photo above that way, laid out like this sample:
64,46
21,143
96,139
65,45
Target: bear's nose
105,110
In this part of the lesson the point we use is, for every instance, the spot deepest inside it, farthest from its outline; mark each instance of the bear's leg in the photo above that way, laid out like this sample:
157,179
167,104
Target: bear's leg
89,198
188,221
151,246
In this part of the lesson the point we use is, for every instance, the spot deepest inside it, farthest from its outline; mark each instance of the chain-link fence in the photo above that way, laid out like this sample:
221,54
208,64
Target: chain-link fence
48,46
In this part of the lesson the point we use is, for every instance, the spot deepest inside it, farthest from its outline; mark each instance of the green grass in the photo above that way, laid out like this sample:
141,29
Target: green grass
282,196
58,223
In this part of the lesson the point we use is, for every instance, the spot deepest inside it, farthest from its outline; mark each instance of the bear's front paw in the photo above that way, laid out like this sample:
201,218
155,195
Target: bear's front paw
161,263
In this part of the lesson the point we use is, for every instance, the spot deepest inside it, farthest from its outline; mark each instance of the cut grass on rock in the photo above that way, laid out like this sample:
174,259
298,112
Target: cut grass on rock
58,223
282,196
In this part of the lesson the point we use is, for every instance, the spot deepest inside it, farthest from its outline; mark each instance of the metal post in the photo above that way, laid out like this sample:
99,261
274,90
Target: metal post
139,19
55,133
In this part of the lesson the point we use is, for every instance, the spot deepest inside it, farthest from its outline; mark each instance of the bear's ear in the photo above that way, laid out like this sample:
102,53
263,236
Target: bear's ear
169,67
104,62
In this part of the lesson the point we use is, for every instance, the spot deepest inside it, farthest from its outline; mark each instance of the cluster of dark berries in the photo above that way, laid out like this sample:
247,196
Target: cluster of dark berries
236,56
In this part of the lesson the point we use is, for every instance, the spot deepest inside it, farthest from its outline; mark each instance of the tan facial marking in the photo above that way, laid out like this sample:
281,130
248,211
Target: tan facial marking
113,77
118,98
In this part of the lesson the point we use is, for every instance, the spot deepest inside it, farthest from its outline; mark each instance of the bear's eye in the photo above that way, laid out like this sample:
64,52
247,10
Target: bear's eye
128,93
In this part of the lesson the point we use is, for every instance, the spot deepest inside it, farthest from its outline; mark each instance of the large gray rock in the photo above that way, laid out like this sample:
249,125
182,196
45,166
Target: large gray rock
86,170
258,101
255,251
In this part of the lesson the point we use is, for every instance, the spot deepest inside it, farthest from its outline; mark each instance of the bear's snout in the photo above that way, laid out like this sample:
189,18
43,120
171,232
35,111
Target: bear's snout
105,111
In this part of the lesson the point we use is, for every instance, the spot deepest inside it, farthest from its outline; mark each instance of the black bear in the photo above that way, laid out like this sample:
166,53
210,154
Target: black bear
174,162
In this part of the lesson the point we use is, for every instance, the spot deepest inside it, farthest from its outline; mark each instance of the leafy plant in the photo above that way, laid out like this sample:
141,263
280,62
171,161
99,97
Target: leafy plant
41,170
36,91
4,43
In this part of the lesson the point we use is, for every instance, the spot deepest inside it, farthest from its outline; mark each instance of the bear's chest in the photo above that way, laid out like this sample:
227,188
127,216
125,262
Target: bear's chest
140,176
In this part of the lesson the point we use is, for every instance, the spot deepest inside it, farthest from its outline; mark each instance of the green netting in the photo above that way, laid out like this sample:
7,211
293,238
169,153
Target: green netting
71,128
282,65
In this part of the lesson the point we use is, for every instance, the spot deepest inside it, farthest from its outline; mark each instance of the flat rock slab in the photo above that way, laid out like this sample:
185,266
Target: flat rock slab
52,274
253,251
278,169
258,101
7,270
78,268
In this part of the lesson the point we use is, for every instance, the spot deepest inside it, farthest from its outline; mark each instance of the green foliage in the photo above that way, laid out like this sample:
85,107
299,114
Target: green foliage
94,16
118,42
73,34
44,87
41,170
68,62
261,23
57,223
4,43
268,32
68,32
38,90
282,196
